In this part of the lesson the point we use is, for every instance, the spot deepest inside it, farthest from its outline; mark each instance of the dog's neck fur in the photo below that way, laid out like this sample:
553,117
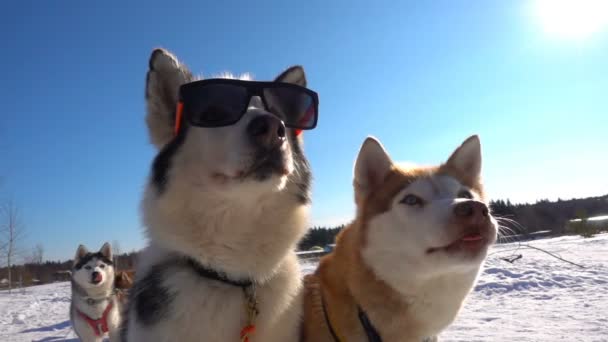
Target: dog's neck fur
97,294
239,239
348,283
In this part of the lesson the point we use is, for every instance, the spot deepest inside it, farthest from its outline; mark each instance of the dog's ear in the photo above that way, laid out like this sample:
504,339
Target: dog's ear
372,165
106,251
294,75
165,75
465,162
80,253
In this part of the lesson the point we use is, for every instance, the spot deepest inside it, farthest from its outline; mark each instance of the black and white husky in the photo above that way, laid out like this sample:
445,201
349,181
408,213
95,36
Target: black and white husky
95,310
223,216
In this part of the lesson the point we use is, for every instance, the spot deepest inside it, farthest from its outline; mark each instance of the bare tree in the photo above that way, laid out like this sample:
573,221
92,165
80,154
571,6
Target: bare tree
116,252
12,232
37,256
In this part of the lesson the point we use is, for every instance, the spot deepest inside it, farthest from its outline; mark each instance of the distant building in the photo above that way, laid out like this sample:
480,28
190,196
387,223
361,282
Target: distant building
598,221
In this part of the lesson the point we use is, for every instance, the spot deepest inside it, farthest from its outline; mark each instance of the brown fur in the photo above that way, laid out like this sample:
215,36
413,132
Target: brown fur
343,281
123,281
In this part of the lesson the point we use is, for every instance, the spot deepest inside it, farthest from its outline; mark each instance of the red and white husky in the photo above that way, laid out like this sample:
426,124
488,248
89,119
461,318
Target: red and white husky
402,269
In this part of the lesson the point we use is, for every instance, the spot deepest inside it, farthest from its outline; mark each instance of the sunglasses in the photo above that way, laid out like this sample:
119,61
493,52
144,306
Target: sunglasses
223,102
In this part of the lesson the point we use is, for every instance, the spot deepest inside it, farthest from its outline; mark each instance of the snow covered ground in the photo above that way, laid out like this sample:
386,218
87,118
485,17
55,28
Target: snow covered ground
537,298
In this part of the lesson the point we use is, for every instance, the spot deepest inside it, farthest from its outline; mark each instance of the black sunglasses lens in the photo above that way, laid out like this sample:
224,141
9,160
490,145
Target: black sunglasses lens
214,105
294,106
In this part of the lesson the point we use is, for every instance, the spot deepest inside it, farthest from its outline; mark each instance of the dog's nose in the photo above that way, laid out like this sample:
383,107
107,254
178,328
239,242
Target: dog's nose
471,211
266,131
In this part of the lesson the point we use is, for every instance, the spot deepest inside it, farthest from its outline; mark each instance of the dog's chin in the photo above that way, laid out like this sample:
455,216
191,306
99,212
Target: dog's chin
94,283
271,168
268,164
91,284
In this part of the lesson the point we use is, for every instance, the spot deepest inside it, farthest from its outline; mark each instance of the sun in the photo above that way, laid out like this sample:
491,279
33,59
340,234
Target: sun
572,19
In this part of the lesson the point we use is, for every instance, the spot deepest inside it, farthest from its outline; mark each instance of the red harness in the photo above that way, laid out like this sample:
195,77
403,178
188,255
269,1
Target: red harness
100,326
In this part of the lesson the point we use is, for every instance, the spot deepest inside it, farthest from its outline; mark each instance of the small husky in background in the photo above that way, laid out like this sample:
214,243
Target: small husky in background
402,269
95,309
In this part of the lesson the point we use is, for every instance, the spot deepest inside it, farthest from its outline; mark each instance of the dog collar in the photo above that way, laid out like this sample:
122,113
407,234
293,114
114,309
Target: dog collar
93,301
248,286
217,275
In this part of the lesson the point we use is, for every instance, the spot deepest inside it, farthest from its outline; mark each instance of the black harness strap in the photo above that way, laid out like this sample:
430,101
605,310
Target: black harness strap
370,331
331,329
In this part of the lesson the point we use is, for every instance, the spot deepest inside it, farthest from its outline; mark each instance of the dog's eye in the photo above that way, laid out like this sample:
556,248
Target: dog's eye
412,200
102,266
465,194
87,267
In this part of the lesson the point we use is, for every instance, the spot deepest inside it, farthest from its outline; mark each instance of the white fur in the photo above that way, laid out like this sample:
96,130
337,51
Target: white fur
247,238
206,310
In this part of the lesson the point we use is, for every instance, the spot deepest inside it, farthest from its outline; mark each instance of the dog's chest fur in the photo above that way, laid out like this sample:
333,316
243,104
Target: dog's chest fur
194,308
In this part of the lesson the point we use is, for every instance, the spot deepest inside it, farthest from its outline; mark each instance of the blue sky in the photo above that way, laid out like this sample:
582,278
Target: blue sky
421,76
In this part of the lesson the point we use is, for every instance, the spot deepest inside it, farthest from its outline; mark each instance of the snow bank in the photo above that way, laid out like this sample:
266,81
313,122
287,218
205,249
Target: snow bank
537,298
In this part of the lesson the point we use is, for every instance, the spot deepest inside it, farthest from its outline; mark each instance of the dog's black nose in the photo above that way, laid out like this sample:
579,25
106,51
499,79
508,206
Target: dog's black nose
471,210
266,131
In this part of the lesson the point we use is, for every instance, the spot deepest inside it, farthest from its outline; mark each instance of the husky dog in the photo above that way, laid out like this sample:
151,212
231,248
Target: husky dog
95,309
402,269
223,210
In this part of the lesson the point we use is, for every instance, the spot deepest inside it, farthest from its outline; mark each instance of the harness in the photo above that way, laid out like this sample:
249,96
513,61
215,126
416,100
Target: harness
249,291
368,327
100,325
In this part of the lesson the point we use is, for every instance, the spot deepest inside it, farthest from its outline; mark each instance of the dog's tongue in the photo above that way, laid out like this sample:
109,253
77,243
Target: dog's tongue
98,278
471,238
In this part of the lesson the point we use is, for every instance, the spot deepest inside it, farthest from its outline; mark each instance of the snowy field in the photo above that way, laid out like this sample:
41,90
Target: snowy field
537,298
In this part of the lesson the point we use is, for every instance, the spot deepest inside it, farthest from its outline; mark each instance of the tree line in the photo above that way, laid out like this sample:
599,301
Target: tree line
516,218
546,215
32,273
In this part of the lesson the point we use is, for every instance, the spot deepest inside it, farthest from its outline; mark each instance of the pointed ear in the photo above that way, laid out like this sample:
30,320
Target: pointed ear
106,251
80,253
466,160
372,165
294,75
165,75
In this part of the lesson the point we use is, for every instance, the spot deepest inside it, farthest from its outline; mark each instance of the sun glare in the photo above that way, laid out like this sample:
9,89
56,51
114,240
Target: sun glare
572,19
